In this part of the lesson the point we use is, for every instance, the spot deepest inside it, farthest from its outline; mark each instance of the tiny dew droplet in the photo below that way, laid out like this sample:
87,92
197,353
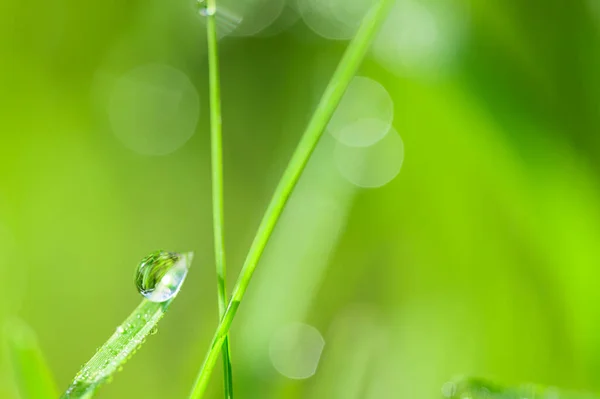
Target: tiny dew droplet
154,330
204,9
159,275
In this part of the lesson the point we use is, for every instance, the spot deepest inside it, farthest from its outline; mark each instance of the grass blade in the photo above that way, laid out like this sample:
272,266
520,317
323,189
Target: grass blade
476,388
125,341
216,139
329,102
127,338
33,377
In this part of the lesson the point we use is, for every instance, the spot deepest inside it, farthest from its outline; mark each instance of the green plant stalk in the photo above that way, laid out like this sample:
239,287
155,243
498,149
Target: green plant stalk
216,138
333,94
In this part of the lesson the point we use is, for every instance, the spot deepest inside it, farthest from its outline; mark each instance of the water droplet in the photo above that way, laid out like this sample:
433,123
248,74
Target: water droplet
204,9
228,16
120,330
154,330
159,275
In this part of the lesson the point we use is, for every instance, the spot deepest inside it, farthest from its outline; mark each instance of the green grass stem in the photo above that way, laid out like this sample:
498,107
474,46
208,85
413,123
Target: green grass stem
216,138
346,70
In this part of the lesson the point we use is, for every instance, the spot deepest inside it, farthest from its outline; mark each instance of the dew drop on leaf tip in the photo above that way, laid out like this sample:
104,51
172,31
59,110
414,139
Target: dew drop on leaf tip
159,276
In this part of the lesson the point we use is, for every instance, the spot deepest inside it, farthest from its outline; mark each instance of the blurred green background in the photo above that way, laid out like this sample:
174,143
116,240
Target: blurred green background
481,257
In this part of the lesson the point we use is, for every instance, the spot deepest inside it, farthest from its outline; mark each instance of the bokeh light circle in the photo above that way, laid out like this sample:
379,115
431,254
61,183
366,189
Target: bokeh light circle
289,17
363,132
373,166
153,109
260,15
248,17
421,36
334,19
295,350
364,115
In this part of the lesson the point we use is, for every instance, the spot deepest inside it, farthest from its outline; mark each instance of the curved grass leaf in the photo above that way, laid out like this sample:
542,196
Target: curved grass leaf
477,388
125,341
32,375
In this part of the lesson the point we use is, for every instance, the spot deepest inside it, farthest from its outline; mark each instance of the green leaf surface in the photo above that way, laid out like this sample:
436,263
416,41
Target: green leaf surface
33,377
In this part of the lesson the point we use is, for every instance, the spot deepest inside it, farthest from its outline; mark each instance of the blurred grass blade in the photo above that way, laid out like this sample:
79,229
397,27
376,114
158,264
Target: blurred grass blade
125,341
476,388
33,377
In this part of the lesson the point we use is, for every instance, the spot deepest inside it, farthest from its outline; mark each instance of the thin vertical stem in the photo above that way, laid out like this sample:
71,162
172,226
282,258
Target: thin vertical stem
329,102
216,138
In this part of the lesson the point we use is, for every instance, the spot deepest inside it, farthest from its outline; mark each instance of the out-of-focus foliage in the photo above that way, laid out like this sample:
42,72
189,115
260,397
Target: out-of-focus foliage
479,258
31,374
476,388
